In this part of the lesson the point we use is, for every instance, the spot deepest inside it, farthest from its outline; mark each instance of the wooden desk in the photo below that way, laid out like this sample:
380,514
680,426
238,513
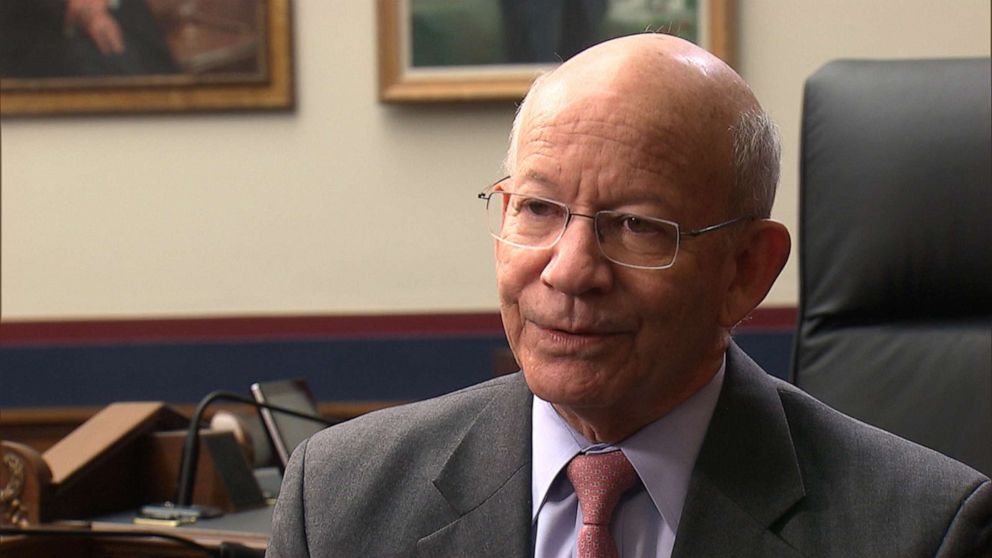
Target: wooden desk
42,427
248,528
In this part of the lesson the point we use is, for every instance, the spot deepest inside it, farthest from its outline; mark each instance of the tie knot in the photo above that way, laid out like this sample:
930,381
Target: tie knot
599,481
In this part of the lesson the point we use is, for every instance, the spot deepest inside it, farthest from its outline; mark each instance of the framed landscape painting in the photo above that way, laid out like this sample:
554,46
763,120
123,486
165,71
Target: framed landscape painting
126,56
438,50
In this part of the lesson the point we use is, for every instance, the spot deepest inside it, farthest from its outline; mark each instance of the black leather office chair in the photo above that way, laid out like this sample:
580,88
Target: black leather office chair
895,249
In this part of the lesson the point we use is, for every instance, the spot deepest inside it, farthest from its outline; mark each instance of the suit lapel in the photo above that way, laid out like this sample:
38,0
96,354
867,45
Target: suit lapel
746,476
486,481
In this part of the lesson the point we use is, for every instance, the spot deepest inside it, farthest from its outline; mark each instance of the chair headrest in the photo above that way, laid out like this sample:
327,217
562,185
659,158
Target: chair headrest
896,190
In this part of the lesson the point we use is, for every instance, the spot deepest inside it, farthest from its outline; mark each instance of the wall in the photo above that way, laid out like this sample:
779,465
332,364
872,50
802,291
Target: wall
346,205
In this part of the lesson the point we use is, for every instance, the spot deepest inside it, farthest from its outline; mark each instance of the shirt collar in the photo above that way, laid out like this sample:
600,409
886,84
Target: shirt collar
663,452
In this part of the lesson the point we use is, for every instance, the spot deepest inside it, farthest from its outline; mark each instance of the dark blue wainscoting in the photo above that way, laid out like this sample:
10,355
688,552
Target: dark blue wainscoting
374,369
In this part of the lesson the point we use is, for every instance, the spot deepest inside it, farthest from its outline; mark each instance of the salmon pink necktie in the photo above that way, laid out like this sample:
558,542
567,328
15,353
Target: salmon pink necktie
599,481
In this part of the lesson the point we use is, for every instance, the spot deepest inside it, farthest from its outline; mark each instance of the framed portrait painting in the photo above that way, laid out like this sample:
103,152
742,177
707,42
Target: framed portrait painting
439,50
125,56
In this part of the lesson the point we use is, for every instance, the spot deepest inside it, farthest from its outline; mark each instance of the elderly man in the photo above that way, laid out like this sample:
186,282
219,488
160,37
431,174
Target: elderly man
632,235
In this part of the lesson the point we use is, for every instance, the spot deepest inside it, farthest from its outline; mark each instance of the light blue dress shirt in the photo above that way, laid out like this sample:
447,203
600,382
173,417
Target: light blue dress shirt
647,518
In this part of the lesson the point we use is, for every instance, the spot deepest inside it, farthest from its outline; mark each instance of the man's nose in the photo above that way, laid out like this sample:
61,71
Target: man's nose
577,264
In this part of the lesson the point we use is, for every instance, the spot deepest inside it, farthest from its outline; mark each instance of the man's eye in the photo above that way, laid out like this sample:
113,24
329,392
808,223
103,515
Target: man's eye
639,225
539,208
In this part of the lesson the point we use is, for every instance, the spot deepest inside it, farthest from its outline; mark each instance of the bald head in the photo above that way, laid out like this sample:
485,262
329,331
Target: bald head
681,93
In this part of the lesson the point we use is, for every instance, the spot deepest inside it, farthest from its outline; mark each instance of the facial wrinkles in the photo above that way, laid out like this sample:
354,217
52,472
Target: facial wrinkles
643,135
603,154
578,314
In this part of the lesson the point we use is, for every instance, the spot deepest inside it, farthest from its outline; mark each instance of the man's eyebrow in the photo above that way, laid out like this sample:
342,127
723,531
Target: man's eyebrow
657,203
540,178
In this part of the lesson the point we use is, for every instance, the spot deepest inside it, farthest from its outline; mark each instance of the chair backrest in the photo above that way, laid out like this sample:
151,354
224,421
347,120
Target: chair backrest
895,248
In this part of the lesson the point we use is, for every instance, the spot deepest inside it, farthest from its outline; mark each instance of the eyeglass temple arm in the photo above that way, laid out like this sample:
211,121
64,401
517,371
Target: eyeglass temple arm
711,228
484,195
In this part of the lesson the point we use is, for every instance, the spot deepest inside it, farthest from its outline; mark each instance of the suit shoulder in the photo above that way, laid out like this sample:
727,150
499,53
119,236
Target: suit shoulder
426,423
366,487
851,456
890,495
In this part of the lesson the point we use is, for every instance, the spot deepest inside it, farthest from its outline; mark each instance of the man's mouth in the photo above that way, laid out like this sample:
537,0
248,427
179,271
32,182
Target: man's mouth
577,337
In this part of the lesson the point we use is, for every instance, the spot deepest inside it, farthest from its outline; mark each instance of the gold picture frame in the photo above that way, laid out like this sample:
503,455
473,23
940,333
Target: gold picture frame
400,83
269,85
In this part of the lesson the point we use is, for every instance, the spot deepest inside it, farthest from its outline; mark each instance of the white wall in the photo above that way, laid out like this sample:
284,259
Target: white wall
347,205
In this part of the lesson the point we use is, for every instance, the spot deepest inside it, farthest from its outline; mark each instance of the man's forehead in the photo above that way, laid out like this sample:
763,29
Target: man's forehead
653,138
660,110
623,155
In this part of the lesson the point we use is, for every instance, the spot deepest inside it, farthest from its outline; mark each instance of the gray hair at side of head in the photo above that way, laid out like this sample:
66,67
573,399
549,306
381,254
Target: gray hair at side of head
756,154
510,162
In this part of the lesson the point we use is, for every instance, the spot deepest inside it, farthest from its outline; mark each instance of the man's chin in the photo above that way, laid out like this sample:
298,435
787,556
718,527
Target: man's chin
570,386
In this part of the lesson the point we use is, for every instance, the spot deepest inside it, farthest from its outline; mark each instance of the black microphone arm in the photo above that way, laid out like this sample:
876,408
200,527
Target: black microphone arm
191,448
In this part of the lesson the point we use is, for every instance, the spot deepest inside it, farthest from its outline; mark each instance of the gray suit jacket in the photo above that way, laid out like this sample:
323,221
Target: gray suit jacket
779,475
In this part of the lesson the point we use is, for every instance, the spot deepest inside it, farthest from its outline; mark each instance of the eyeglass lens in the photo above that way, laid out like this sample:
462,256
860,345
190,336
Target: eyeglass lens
623,238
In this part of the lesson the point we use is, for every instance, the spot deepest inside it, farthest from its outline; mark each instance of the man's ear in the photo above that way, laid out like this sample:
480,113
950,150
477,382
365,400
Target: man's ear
760,253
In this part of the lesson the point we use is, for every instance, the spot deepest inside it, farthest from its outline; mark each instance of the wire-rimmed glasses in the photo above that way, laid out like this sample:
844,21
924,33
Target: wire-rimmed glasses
627,239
